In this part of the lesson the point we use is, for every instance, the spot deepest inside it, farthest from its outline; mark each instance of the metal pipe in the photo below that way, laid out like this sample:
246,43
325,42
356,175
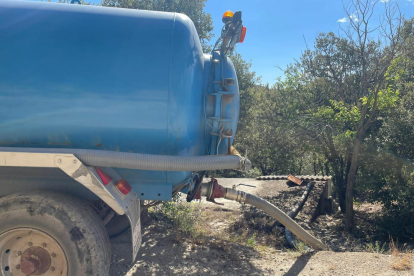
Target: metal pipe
138,161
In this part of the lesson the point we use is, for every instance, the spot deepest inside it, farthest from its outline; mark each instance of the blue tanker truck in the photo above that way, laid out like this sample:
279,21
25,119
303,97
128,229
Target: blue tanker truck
103,110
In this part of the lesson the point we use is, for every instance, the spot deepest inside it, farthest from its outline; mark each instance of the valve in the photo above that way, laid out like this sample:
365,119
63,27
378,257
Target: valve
211,191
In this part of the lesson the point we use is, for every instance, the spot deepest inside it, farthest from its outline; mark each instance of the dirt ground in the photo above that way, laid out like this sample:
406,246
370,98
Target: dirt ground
246,242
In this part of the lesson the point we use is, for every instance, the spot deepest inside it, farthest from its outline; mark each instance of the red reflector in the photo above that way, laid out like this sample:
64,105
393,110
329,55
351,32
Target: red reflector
243,34
104,177
123,186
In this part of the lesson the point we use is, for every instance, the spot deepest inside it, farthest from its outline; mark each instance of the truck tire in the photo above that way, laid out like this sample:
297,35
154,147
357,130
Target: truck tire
49,233
117,226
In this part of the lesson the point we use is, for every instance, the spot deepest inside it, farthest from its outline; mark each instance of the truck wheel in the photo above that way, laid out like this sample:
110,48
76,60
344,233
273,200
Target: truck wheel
47,233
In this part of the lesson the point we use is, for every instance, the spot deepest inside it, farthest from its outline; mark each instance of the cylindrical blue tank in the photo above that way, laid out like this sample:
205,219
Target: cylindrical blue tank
113,79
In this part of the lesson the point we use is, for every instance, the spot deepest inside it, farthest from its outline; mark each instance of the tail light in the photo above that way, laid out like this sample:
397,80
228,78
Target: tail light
243,34
123,186
104,177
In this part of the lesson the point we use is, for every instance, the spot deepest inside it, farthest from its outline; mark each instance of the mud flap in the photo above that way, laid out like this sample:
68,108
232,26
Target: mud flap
134,215
129,204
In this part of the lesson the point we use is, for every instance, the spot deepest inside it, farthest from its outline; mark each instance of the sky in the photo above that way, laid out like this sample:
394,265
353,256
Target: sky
277,29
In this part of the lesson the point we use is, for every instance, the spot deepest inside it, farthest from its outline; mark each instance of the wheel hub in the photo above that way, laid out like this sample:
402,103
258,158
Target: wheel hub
26,251
28,266
35,261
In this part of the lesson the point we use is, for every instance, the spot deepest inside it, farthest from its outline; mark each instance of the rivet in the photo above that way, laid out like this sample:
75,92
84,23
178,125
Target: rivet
44,245
52,268
74,161
59,160
18,266
30,244
53,255
19,253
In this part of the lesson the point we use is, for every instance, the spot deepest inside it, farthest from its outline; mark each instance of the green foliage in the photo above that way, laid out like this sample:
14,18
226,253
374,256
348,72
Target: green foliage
340,99
375,247
192,8
387,165
252,241
300,249
186,217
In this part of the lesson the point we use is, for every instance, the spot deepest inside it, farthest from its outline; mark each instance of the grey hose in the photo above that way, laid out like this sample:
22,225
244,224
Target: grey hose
275,212
138,161
294,212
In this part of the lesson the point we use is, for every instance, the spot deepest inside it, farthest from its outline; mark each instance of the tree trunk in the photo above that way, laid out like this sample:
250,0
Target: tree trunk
321,167
341,192
340,182
346,175
349,222
263,169
328,171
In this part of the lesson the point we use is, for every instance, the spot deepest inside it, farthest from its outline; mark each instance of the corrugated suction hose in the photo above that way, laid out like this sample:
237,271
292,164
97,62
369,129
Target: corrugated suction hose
275,212
139,161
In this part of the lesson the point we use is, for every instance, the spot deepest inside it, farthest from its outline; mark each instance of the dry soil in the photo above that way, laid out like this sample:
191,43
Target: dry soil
163,254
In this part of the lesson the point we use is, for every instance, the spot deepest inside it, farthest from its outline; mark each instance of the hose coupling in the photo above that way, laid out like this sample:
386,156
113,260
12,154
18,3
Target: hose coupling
245,164
211,190
235,195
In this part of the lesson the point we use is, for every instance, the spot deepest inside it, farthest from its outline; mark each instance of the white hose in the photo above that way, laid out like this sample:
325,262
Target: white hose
139,161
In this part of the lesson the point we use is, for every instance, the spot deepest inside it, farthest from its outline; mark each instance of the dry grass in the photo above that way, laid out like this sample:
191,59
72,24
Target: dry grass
400,261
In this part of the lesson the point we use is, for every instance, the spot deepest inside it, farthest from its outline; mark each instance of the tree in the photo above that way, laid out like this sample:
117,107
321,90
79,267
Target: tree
387,159
356,67
332,97
192,8
269,148
368,92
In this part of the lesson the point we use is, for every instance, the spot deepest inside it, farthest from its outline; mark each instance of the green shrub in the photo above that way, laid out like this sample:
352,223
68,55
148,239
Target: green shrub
187,218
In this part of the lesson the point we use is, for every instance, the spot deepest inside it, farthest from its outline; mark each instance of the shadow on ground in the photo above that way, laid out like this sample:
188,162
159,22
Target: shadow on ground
162,254
299,265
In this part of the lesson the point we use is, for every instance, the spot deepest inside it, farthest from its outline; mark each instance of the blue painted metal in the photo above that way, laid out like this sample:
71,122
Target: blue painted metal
224,117
76,76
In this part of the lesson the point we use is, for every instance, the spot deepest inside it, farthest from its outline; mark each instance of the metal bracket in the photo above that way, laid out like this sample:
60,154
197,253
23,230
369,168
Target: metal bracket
73,167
